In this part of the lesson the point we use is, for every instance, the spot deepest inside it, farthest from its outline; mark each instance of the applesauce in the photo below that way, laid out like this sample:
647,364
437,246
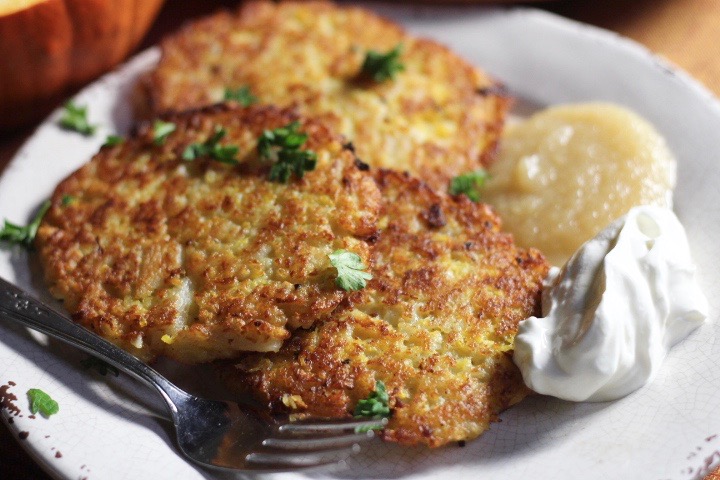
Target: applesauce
566,172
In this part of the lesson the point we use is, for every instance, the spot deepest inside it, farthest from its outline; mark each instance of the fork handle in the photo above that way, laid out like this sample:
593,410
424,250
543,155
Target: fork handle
18,305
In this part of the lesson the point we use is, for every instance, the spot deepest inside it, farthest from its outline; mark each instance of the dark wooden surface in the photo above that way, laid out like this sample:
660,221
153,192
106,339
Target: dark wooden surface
683,31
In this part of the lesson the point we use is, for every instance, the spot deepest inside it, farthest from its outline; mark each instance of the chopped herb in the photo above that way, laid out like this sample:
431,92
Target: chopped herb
67,200
470,184
41,402
376,405
75,118
24,235
350,274
282,147
241,95
368,428
211,148
100,366
161,130
113,140
382,66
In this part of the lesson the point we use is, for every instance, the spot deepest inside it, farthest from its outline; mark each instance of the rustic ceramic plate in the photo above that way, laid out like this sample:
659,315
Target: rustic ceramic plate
108,428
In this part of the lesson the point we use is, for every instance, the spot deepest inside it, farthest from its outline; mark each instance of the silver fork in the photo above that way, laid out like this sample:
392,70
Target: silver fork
215,434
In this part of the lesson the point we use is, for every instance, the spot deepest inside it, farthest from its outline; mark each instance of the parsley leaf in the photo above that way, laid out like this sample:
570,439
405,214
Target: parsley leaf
376,405
382,66
161,130
113,140
67,200
41,402
350,274
24,235
241,95
100,366
282,147
470,184
211,148
75,118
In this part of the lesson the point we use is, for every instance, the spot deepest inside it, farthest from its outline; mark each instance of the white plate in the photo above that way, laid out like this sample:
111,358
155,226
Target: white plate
666,430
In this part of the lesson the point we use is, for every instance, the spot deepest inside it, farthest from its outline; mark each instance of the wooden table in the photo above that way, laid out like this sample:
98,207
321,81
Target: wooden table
686,32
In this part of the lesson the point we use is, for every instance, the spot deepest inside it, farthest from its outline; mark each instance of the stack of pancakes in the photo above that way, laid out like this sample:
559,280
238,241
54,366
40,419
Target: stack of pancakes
205,261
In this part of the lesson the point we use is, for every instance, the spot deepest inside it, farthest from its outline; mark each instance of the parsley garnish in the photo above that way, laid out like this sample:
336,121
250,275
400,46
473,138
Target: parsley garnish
67,200
241,95
75,118
41,402
24,235
282,147
350,274
113,140
382,66
376,405
211,148
161,130
100,366
470,184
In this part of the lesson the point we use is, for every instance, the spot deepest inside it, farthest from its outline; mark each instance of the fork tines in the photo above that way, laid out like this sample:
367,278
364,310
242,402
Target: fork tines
333,426
311,444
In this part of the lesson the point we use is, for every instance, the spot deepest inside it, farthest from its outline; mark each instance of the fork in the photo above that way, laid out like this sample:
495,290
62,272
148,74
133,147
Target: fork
219,435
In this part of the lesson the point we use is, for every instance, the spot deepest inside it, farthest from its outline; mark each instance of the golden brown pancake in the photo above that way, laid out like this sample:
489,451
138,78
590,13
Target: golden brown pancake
437,118
200,260
436,325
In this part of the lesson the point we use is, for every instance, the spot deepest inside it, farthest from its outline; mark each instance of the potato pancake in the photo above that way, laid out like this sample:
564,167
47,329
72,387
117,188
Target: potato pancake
438,117
199,259
436,325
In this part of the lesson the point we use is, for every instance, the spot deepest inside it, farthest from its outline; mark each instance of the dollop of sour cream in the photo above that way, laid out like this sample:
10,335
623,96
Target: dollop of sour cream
613,311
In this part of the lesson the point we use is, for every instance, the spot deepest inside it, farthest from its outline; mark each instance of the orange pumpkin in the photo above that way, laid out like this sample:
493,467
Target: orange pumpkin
50,46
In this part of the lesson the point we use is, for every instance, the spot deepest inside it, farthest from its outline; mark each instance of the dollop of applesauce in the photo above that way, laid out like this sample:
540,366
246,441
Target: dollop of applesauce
568,171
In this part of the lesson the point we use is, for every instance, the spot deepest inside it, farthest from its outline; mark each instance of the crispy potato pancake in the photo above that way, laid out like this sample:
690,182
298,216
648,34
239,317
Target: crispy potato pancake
437,118
436,325
199,260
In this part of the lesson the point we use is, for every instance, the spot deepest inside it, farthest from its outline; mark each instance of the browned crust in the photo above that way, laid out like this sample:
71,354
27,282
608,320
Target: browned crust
214,256
436,325
437,119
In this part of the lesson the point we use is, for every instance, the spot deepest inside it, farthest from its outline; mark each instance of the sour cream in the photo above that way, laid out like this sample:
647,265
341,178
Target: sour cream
613,311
